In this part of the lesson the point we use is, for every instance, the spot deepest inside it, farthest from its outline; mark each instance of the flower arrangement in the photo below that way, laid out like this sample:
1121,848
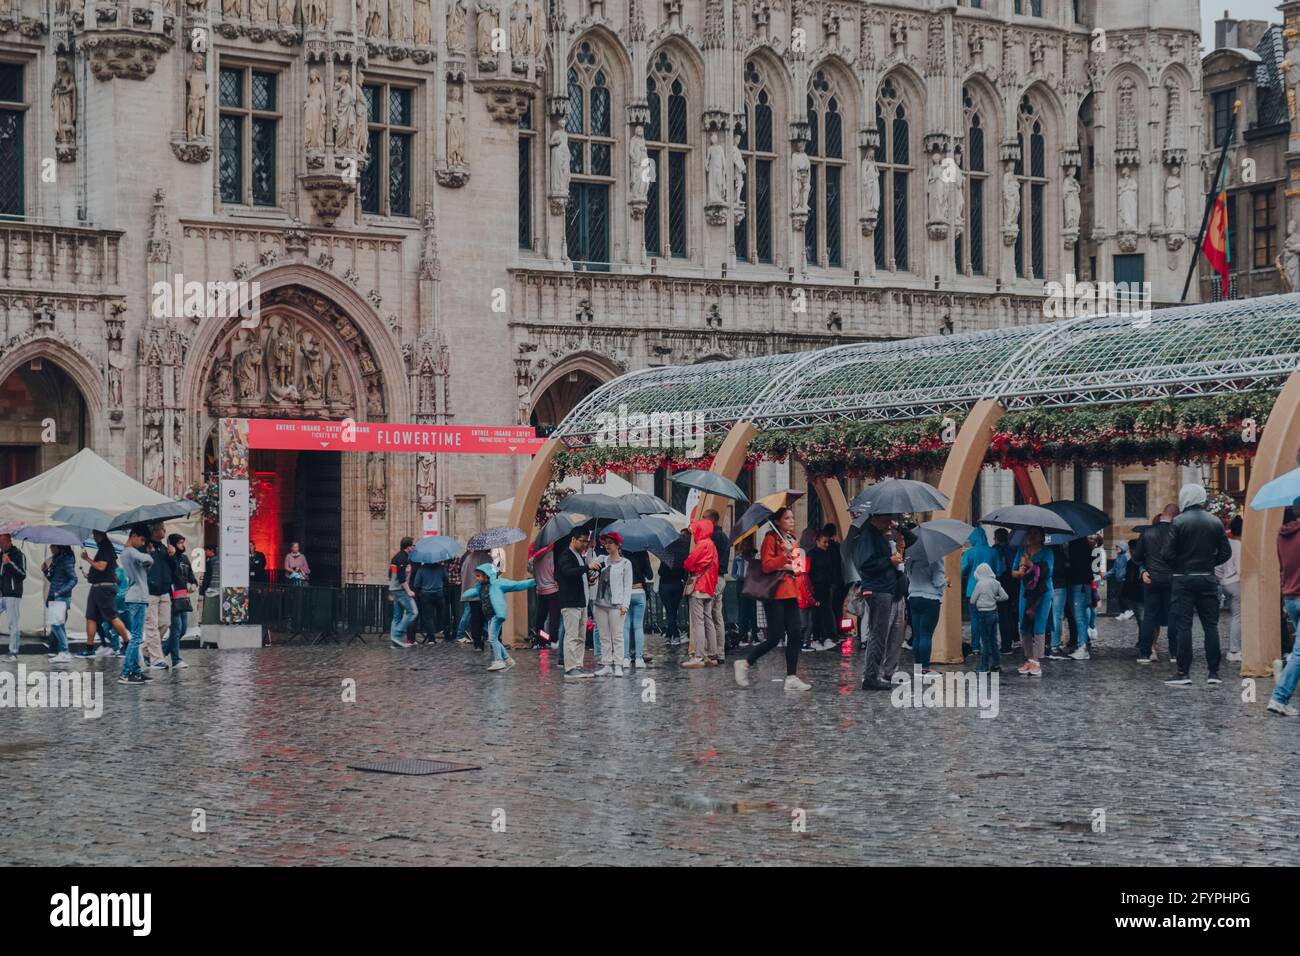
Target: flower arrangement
1221,506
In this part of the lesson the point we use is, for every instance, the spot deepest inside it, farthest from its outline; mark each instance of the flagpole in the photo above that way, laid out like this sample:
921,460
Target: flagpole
1210,199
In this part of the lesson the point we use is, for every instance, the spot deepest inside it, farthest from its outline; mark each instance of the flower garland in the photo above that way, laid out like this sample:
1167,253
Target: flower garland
1177,430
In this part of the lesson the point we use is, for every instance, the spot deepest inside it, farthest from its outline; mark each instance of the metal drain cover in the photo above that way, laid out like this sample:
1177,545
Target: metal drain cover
413,767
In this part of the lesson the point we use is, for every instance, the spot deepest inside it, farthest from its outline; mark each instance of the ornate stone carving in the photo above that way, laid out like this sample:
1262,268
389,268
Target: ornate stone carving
430,267
1072,208
1175,148
313,112
1126,131
485,22
1175,209
456,126
377,482
457,15
1127,201
328,194
559,170
506,100
717,174
1010,205
159,246
870,183
935,47
641,172
800,179
152,451
123,54
248,371
63,100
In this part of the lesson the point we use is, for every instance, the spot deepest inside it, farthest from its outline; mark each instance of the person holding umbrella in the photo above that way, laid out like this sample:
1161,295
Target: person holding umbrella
101,602
877,560
158,617
13,572
723,546
571,575
1032,567
61,573
672,582
612,599
926,582
185,585
702,565
778,556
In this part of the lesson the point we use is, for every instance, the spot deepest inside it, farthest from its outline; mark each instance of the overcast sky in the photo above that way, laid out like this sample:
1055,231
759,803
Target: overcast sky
1212,10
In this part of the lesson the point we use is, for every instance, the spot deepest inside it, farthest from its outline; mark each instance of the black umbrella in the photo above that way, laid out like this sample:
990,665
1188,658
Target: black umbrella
599,506
896,496
1027,516
709,483
646,504
936,538
148,514
561,525
646,533
755,516
91,518
1082,517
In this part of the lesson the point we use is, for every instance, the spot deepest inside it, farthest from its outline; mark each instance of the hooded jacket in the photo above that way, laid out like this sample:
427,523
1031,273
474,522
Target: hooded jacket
497,588
62,576
1197,541
988,589
872,557
979,552
703,559
14,573
1288,554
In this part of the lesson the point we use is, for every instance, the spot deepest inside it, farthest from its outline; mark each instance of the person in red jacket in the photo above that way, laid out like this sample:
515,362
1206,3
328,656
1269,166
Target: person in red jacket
780,552
702,565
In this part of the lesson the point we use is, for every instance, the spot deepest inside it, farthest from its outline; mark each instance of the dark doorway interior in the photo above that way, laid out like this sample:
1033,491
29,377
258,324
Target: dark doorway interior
17,464
299,497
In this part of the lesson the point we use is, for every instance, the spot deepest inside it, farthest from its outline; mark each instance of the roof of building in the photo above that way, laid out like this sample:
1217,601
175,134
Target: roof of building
1185,351
1270,90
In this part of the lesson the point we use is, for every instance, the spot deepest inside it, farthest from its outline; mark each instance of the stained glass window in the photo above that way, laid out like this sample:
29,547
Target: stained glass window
385,183
667,143
754,231
12,114
823,238
591,158
248,136
894,160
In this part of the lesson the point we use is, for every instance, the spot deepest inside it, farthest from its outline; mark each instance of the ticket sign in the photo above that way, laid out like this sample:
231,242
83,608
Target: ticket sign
429,522
389,437
234,533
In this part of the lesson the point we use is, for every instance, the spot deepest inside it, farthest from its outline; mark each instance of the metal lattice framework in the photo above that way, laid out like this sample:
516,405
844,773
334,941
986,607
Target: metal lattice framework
1178,352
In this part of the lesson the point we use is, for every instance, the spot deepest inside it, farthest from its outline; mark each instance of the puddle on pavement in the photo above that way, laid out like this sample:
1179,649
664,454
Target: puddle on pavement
1069,826
699,802
22,746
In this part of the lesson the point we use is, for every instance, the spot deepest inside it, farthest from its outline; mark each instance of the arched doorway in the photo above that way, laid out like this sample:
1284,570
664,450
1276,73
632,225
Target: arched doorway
39,401
561,397
312,356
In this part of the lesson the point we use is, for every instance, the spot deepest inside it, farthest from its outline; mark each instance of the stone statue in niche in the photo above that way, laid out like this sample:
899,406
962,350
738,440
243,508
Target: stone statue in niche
870,188
1127,201
456,17
455,125
485,24
248,371
313,112
641,171
337,390
63,99
1070,201
1175,203
520,39
374,398
196,98
537,15
313,368
1010,205
284,352
259,11
398,29
716,171
800,178
425,486
345,112
938,190
231,9
1290,257
153,451
374,19
377,481
360,132
737,169
313,14
559,162
223,387
423,22
117,363
285,12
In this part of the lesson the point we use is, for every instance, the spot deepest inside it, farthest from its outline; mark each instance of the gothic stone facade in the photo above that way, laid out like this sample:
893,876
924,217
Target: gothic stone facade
452,206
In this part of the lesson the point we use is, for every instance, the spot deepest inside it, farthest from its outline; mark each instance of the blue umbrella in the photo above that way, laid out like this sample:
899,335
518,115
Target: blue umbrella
91,518
433,548
53,534
647,533
1279,493
494,538
148,514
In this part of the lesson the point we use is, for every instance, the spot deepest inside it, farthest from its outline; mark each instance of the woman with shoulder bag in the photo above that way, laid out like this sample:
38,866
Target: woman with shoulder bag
775,580
61,572
183,584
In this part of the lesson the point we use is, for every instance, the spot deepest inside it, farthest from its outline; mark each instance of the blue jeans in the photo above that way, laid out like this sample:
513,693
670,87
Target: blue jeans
134,621
1291,674
463,627
1081,604
986,634
60,634
108,635
403,615
1057,619
494,634
180,624
925,615
634,624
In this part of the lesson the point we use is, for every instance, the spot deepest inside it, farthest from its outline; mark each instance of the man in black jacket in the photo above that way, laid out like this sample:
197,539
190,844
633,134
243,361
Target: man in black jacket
571,580
877,563
1149,553
13,572
1197,545
158,615
672,581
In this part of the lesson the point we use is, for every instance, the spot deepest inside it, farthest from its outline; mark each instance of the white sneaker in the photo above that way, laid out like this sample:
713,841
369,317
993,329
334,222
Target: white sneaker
641,664
160,666
792,682
1126,616
1283,710
1092,633
103,651
510,662
1234,655
1081,653
742,673
618,672
627,662
11,657
180,664
577,674
62,657
497,666
604,672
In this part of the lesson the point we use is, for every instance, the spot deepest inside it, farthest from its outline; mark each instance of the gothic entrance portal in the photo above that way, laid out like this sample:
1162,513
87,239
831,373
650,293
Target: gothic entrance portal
42,420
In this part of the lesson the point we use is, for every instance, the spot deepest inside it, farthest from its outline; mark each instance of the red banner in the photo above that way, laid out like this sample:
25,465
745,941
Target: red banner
383,436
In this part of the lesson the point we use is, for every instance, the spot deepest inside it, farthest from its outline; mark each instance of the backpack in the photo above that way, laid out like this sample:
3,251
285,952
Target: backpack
1034,586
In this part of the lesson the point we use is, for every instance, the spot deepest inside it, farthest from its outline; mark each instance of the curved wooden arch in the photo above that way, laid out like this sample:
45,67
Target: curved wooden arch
1261,584
523,515
830,492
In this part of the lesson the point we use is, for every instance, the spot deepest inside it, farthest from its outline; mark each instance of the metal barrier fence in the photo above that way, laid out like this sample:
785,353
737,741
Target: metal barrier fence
311,614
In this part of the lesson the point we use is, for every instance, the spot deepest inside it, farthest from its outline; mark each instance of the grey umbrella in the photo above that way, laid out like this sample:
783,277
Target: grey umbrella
53,534
897,496
1027,516
646,504
707,481
647,533
494,538
560,525
148,514
91,518
936,538
596,505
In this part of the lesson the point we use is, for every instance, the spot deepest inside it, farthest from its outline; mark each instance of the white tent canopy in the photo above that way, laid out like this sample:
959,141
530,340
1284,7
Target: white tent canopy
84,480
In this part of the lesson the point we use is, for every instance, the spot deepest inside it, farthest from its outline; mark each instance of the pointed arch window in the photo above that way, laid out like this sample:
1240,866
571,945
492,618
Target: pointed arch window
974,165
893,126
823,235
669,148
754,232
1031,173
591,166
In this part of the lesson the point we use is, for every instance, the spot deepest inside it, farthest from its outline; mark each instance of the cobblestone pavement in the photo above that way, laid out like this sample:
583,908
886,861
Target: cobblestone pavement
588,772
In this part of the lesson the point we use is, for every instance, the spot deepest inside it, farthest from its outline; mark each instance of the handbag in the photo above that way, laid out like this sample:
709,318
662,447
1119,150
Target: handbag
56,613
760,585
181,601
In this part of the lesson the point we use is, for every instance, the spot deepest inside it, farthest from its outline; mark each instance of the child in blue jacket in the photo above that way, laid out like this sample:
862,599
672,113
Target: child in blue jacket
490,592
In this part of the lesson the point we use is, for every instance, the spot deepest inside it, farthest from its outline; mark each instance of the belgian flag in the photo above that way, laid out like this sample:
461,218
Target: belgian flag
1215,244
